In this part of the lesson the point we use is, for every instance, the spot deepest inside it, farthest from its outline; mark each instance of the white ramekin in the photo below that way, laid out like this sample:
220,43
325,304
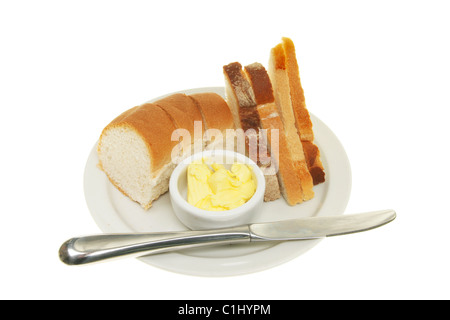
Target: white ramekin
198,219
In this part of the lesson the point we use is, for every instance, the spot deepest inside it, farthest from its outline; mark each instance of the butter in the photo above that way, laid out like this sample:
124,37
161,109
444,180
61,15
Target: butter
219,189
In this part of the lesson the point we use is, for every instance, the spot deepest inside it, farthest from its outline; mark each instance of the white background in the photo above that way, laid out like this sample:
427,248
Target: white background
376,72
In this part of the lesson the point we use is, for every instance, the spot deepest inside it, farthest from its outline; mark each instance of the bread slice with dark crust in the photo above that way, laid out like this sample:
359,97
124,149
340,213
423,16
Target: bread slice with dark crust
243,106
240,97
288,175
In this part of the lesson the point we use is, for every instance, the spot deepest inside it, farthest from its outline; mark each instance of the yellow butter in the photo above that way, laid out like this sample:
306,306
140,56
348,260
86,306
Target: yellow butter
219,189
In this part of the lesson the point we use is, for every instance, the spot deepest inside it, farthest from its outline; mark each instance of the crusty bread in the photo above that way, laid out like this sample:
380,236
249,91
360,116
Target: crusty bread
288,176
216,116
280,82
138,150
134,151
302,117
240,97
242,102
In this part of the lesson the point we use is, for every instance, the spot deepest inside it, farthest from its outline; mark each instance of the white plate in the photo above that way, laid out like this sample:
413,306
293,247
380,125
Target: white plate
113,212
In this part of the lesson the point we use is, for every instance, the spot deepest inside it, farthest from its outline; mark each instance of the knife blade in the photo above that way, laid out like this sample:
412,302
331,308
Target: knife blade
320,227
89,249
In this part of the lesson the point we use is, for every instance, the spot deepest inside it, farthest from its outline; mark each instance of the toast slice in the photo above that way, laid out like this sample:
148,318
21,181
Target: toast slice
242,102
288,175
280,82
240,97
302,117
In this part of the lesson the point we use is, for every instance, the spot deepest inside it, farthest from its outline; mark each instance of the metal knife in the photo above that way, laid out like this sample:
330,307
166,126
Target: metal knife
88,249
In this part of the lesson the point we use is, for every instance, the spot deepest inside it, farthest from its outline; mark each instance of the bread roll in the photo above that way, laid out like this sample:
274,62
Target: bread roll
134,151
138,150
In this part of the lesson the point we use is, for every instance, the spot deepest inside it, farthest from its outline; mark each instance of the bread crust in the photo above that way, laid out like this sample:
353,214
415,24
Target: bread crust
183,110
315,166
280,83
260,82
241,87
303,120
216,113
243,102
288,175
154,126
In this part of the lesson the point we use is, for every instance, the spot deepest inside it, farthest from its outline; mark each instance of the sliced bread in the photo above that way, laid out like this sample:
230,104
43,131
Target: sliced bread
242,102
280,82
288,175
302,117
134,151
139,149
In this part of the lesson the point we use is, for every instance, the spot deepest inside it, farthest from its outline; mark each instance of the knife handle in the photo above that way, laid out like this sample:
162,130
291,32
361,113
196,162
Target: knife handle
84,250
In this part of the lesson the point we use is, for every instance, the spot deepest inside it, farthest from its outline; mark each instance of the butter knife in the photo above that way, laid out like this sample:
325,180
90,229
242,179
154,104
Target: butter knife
89,249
